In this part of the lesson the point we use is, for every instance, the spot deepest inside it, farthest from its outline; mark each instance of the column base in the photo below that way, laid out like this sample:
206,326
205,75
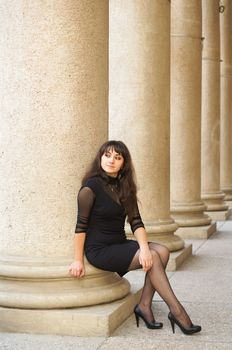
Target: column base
162,232
227,190
99,320
171,241
196,232
46,284
214,201
221,215
190,214
177,258
229,203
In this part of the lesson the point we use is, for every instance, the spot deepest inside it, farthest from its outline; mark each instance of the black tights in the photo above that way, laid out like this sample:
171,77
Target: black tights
156,280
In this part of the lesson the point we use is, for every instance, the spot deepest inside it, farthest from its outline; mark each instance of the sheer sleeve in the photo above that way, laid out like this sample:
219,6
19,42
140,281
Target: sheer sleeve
136,220
85,201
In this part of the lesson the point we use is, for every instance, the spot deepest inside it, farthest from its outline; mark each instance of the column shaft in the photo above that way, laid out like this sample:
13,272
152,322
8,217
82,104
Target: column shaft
54,63
139,105
186,205
226,101
210,110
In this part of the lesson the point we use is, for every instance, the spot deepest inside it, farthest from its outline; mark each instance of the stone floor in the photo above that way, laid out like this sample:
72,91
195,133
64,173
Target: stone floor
203,284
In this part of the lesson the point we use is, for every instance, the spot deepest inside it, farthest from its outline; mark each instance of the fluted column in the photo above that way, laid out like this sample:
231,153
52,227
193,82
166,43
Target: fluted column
139,105
54,93
210,111
226,101
186,205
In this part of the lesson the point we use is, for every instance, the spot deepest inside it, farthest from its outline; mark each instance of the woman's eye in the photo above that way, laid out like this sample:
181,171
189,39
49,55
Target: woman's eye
107,155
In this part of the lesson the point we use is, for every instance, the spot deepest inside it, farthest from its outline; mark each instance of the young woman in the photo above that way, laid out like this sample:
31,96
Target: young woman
107,197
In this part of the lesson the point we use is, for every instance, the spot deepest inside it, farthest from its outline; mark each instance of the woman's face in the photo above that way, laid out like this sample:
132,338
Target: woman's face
111,162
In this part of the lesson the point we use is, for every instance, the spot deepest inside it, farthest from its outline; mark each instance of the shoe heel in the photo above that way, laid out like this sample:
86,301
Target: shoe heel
172,324
137,319
190,330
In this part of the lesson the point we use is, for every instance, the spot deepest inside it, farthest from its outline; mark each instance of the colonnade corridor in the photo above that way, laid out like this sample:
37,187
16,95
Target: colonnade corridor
157,75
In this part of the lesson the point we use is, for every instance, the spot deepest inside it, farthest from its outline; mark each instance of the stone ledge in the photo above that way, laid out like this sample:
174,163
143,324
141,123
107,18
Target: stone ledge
99,320
196,232
178,257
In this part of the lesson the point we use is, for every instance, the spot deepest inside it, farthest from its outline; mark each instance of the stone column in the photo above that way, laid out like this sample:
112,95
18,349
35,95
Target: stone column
186,205
139,106
54,115
210,111
226,101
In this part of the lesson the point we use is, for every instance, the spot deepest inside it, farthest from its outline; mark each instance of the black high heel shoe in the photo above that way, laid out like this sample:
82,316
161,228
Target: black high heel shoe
190,330
151,324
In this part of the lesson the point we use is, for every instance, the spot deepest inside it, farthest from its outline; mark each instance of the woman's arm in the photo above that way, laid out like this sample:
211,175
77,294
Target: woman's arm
85,203
137,227
77,268
79,241
145,257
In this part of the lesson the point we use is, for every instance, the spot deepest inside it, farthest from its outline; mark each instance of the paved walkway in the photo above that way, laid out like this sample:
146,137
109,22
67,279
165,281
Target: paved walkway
203,284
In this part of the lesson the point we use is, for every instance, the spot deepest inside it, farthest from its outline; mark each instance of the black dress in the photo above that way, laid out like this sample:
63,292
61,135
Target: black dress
102,217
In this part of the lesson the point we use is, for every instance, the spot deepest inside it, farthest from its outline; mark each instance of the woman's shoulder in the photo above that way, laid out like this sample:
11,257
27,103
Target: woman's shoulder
93,182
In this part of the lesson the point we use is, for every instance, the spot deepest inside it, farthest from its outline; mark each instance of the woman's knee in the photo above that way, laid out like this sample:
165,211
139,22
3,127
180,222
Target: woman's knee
164,252
161,250
155,254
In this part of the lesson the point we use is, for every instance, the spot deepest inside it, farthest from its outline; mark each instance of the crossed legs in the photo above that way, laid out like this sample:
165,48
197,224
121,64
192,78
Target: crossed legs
156,280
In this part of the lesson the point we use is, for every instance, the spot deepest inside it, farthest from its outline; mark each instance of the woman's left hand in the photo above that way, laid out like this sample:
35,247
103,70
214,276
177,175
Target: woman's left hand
145,258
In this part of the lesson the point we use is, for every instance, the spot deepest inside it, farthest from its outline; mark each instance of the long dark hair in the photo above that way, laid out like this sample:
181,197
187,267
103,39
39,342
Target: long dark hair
126,176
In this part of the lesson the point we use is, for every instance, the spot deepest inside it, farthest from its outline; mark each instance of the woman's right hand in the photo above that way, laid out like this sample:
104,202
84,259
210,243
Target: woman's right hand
77,269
